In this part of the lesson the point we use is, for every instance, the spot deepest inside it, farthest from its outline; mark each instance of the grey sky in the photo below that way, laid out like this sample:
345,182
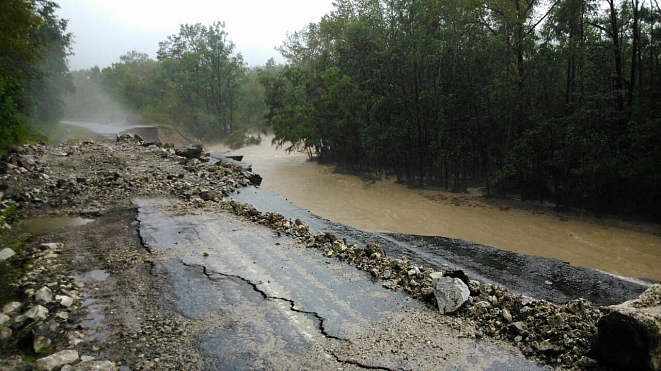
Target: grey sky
106,29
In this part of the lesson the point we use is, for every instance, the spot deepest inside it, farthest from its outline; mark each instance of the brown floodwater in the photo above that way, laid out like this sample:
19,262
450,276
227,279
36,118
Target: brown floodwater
385,206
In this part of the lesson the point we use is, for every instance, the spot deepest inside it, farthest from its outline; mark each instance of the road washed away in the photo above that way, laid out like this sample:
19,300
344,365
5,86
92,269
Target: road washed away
268,302
184,267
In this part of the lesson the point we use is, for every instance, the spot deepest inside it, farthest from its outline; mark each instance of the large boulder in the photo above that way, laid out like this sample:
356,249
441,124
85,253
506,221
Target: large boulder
194,151
53,361
450,292
629,337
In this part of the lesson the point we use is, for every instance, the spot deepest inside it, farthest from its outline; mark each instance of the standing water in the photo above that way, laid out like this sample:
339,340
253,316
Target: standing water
384,206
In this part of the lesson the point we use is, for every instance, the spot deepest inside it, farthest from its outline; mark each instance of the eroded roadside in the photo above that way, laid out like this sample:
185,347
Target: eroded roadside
132,303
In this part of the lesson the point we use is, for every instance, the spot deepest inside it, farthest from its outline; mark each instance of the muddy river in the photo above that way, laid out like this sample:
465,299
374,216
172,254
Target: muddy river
384,206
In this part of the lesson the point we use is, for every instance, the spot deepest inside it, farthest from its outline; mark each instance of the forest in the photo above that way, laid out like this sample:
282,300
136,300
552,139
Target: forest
34,72
555,101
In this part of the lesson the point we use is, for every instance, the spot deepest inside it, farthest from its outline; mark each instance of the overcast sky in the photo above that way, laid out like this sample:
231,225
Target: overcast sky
106,29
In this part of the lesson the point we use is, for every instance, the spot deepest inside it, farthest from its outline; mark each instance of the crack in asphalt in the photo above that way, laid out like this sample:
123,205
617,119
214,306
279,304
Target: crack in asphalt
139,230
292,306
358,364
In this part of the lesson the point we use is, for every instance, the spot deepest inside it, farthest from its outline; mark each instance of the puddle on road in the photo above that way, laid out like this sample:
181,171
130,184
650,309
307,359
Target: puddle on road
50,224
91,277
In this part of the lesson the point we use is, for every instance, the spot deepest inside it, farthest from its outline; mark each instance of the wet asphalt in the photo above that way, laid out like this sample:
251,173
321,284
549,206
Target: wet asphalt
534,276
263,302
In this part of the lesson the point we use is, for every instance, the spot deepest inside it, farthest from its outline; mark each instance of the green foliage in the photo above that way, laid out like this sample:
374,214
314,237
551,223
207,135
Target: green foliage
34,47
559,101
198,84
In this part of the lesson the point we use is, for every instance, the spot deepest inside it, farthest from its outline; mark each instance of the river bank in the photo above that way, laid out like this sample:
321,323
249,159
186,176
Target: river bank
126,306
609,244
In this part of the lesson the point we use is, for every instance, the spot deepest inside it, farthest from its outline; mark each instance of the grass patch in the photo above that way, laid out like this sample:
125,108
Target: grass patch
62,133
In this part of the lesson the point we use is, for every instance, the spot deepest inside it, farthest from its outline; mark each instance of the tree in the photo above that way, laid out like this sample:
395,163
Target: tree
200,65
34,46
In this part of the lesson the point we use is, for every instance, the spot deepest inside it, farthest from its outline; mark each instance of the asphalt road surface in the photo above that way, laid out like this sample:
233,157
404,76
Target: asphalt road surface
264,302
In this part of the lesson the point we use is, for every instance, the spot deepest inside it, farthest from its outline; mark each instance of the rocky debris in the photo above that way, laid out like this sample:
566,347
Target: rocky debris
108,173
43,324
629,336
451,293
559,335
53,361
6,253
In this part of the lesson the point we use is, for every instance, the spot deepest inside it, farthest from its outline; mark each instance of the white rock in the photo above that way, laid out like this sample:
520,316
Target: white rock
51,246
4,319
43,296
507,316
451,293
6,253
64,300
53,361
38,313
11,307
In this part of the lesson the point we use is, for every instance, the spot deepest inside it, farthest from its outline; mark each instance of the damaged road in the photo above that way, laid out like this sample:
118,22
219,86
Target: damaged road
534,276
167,273
259,301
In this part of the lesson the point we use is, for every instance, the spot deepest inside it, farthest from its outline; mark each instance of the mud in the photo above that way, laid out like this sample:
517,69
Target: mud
622,248
539,277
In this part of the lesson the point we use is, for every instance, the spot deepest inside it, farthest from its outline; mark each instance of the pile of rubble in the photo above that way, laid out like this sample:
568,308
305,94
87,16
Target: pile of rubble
109,173
87,179
41,320
550,333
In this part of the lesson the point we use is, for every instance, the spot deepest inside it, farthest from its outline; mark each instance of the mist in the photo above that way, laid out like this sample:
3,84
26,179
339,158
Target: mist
90,102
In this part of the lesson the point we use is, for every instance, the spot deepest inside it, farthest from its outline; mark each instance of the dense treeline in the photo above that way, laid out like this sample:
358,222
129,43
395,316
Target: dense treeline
199,83
558,100
34,75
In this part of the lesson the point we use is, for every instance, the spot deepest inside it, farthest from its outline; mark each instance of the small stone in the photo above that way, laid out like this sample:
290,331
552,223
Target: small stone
518,327
38,313
51,246
507,316
43,296
65,301
451,293
5,333
95,366
40,343
6,253
555,320
4,319
62,315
